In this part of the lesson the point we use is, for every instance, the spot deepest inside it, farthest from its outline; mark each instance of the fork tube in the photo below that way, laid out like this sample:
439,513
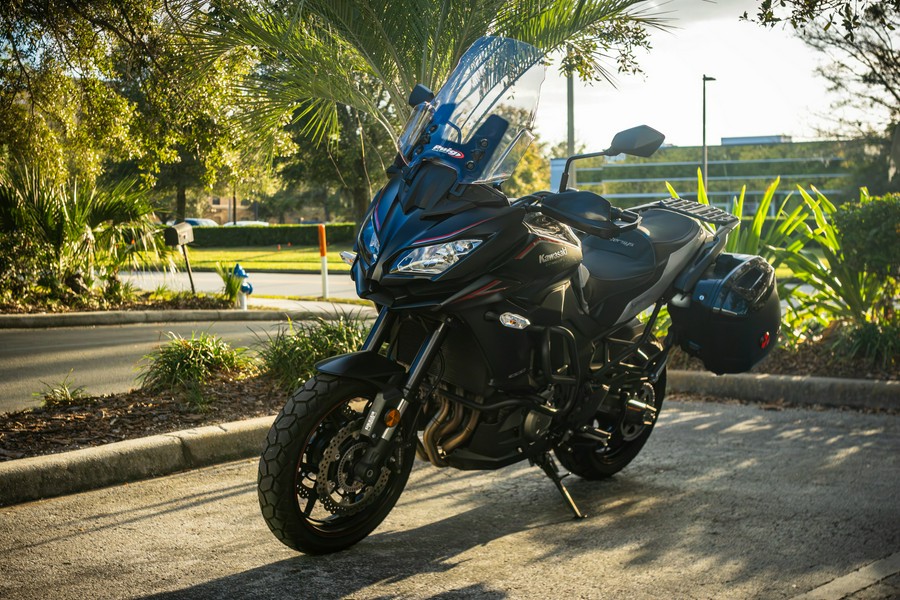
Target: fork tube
423,359
380,330
369,465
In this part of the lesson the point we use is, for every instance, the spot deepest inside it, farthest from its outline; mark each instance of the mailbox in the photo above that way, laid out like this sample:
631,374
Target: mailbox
179,234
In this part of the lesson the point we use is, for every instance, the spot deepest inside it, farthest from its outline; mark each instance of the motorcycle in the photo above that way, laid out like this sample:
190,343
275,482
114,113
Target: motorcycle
507,329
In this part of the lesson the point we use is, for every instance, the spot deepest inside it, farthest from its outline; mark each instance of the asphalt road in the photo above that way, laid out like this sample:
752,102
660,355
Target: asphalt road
726,501
104,360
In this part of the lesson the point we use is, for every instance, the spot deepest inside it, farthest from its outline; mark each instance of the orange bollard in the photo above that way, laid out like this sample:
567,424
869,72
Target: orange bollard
323,253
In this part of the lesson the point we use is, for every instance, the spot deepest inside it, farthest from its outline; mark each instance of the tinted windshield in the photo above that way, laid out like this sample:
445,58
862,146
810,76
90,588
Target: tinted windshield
480,121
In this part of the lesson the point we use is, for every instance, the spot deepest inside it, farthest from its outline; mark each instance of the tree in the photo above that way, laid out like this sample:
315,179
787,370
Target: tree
57,107
352,161
864,69
321,57
863,73
86,82
852,15
186,132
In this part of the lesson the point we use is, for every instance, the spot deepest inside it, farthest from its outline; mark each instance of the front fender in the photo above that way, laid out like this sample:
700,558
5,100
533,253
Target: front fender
365,365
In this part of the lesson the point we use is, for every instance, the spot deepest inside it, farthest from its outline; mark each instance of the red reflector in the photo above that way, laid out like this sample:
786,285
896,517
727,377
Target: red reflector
764,340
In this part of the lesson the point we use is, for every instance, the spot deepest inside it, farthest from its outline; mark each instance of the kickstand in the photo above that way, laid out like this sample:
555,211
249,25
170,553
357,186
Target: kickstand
545,462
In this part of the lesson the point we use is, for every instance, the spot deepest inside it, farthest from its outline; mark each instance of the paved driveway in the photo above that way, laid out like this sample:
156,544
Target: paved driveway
726,501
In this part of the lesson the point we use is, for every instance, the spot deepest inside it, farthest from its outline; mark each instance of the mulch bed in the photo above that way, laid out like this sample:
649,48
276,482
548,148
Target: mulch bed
104,419
141,301
814,358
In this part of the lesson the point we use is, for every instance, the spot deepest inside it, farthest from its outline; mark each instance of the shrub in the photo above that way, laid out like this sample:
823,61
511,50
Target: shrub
870,233
879,342
73,238
296,235
289,356
184,364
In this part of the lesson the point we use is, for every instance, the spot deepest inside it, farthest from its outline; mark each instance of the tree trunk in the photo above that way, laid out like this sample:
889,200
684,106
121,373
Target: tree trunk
180,202
361,200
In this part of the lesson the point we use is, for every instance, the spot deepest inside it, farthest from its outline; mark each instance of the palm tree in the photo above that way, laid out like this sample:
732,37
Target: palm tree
318,57
77,233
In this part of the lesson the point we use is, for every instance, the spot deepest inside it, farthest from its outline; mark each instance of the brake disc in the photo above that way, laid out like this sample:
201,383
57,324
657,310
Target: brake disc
339,493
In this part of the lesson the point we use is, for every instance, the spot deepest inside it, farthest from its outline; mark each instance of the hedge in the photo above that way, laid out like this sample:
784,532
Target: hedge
254,235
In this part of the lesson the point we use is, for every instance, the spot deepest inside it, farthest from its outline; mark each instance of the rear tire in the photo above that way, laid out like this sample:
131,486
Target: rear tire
306,496
593,460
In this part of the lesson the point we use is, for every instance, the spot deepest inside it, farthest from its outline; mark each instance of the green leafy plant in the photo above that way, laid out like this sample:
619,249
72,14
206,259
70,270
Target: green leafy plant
231,283
289,356
879,342
63,393
184,364
869,232
839,291
75,236
759,234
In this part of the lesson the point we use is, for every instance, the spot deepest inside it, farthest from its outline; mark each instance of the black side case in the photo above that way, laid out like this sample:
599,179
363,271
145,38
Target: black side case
734,315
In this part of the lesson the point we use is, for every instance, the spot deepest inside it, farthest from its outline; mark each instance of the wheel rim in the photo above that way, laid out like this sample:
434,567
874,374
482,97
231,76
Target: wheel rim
328,500
628,428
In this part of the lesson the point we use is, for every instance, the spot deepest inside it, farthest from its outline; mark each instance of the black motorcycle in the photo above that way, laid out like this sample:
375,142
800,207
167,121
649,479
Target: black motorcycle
508,330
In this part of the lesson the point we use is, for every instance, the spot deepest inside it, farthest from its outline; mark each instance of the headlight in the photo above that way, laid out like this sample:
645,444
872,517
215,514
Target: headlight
368,240
434,259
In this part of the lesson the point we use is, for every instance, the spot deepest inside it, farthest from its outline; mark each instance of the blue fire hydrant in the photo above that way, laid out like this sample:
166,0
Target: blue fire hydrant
246,287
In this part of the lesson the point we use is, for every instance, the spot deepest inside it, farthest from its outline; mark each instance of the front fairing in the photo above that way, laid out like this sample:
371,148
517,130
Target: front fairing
407,215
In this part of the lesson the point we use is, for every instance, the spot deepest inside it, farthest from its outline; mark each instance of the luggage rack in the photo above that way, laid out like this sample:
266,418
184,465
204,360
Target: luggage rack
689,208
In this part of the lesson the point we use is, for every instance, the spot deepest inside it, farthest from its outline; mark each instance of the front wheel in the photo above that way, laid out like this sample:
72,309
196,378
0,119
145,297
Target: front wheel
307,494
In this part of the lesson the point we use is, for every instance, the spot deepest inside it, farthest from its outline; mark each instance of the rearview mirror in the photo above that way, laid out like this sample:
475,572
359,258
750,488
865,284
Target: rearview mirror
638,141
641,141
420,94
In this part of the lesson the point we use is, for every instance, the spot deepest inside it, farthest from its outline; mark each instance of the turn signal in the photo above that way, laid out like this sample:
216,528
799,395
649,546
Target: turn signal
392,418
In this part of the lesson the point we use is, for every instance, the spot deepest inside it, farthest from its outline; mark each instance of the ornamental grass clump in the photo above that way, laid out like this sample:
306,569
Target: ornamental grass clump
231,283
62,394
289,356
184,365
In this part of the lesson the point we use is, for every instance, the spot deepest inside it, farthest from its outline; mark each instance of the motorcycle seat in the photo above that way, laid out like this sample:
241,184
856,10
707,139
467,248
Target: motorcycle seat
633,261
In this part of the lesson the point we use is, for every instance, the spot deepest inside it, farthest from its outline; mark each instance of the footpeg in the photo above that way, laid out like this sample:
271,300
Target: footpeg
545,462
594,434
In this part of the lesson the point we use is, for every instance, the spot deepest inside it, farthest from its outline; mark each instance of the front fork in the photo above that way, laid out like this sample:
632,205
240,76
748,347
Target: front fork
390,406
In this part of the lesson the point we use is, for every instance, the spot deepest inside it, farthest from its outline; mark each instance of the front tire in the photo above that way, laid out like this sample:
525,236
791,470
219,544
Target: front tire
307,496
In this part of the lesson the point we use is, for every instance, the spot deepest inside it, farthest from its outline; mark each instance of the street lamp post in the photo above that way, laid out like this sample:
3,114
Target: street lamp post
705,157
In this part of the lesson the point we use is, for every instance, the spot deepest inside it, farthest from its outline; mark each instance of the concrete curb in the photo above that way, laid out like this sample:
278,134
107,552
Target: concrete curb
126,317
827,391
69,472
66,473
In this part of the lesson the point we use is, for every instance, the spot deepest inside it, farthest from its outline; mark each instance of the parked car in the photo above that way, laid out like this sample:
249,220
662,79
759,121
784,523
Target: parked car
196,222
246,223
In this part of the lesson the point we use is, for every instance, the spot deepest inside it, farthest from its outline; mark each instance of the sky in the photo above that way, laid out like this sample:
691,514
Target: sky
765,83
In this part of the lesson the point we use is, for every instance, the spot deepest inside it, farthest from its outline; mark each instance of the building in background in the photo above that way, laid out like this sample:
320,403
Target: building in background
753,162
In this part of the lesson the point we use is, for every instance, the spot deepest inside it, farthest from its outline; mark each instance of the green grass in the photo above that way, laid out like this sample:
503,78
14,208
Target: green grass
62,394
270,258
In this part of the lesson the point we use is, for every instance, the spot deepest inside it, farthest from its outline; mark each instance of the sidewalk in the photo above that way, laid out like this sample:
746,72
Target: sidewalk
46,476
